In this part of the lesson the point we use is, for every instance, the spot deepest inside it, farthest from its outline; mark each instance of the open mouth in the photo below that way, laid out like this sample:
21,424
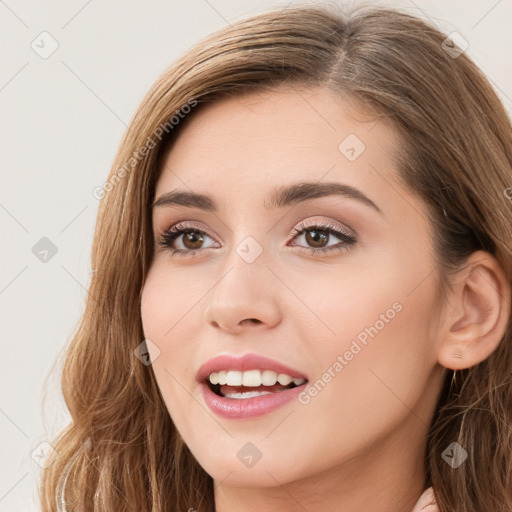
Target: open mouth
243,392
248,385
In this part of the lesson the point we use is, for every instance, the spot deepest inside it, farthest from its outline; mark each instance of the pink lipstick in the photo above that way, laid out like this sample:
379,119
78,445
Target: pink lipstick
247,386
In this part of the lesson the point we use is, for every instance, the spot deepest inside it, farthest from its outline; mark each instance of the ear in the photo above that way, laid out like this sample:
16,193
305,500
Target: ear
477,313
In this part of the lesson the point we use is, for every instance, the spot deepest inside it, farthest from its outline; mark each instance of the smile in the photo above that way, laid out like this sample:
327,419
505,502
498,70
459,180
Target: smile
234,384
247,386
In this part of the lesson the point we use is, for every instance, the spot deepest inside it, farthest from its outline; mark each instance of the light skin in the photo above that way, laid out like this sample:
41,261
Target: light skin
359,443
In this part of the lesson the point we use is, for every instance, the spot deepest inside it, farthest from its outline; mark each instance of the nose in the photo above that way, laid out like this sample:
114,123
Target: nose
246,297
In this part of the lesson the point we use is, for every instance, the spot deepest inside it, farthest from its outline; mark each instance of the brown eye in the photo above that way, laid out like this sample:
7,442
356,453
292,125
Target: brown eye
318,236
190,238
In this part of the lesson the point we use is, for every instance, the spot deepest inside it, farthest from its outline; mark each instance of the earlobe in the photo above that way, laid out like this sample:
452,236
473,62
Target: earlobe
478,314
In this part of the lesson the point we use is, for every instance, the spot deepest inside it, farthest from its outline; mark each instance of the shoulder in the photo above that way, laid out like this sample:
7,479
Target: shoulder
427,502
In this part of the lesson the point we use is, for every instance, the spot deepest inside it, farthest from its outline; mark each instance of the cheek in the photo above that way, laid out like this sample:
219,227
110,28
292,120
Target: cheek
334,306
169,301
369,393
164,322
378,315
376,366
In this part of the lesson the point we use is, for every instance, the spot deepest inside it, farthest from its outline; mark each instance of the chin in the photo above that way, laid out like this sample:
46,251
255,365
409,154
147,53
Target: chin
262,474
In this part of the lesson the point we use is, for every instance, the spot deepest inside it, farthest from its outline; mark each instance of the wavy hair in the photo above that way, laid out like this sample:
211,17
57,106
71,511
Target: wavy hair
121,450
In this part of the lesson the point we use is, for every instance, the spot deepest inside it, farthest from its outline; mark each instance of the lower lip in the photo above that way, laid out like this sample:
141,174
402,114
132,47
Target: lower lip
240,408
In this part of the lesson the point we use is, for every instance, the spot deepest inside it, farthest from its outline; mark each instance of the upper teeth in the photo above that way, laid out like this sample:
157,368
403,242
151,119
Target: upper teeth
252,378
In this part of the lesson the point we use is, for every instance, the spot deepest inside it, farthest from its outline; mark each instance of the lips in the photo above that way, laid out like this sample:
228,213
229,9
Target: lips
232,401
245,362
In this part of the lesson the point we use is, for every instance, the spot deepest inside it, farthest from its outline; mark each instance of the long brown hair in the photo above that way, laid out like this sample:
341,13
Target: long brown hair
121,450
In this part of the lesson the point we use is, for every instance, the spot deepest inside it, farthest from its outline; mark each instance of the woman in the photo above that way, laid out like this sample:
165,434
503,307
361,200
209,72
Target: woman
301,296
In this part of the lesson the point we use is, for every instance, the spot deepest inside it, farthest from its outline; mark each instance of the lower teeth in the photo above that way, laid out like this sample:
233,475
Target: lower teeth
216,388
249,394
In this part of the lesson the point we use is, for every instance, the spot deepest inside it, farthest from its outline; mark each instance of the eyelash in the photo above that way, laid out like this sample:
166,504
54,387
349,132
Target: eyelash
167,238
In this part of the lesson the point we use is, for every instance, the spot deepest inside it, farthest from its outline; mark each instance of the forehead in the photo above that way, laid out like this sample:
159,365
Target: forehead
261,140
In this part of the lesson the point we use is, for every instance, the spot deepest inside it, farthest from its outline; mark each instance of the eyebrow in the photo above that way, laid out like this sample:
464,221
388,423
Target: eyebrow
281,196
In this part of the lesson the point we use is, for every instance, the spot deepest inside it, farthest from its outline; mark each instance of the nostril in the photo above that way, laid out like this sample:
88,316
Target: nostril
250,321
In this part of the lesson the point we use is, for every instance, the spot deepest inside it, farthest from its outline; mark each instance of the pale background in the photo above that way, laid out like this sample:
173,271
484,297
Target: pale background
61,121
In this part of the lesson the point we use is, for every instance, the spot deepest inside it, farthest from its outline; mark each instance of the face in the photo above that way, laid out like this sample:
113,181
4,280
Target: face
337,285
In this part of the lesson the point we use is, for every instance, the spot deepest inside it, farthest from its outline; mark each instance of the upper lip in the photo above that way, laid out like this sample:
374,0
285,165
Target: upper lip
242,363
